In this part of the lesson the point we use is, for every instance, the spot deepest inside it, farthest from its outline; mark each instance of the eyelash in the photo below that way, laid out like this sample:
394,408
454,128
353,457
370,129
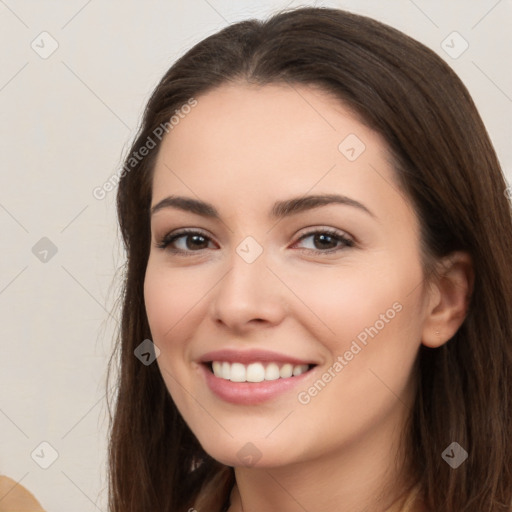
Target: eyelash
338,236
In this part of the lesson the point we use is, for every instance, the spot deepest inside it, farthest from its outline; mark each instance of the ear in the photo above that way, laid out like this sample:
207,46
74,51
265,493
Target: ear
450,294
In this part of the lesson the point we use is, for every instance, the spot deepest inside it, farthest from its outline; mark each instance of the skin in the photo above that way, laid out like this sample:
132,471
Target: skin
242,148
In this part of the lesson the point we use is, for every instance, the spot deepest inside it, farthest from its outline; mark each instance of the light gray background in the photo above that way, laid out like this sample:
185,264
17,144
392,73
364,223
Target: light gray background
66,121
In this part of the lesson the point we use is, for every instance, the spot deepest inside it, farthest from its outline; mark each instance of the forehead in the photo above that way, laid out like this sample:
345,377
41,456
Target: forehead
272,140
255,114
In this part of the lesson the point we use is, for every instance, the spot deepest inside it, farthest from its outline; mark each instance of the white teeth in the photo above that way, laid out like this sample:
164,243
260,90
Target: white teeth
217,368
286,371
299,369
238,373
272,372
256,372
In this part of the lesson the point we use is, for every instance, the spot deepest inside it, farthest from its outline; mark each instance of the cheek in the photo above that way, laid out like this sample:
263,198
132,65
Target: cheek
340,304
371,317
169,300
169,297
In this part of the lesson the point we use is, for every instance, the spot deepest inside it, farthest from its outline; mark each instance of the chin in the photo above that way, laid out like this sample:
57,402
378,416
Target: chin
260,453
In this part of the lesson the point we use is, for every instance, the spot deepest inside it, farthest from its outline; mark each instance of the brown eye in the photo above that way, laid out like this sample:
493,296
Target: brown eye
184,242
327,241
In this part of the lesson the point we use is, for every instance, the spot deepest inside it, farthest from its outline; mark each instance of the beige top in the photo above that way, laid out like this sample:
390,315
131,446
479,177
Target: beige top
15,498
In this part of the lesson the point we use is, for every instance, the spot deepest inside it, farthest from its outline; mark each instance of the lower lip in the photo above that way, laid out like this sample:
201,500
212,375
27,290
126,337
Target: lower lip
249,393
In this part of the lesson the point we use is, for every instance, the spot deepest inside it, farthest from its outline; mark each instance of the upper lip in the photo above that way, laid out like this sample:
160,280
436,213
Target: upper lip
250,356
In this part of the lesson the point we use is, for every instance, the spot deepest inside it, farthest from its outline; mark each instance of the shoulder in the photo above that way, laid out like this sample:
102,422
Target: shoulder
14,497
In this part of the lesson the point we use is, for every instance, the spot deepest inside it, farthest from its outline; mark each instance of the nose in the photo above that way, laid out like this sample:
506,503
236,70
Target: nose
248,296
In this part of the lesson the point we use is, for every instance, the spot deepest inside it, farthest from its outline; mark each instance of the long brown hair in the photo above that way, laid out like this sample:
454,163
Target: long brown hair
448,169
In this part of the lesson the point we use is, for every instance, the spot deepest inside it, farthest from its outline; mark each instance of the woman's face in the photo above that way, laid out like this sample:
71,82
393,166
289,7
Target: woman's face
276,279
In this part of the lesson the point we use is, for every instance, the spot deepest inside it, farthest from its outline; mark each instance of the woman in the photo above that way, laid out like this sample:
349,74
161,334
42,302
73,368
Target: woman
318,253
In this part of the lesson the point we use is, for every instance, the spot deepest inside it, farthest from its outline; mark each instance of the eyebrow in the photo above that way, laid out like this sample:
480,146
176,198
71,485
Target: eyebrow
280,209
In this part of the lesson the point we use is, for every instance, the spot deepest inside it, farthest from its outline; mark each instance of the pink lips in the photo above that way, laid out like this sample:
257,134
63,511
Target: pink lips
249,393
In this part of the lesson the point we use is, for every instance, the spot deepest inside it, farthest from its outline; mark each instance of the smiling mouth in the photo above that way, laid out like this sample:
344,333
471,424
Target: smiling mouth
257,371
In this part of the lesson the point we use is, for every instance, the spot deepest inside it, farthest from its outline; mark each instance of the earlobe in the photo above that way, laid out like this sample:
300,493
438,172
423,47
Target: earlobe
449,299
